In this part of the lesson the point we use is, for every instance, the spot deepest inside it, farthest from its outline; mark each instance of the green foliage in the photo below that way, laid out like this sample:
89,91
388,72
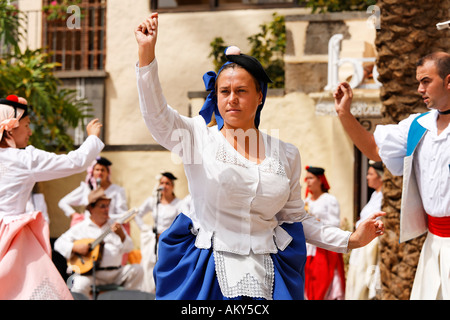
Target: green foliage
29,74
268,46
10,19
339,5
217,52
57,9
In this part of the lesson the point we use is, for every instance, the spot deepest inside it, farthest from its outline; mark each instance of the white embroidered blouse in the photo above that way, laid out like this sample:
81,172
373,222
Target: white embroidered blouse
237,205
20,169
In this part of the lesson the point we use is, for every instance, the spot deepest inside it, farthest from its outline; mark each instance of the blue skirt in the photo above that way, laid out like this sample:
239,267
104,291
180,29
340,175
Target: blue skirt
184,272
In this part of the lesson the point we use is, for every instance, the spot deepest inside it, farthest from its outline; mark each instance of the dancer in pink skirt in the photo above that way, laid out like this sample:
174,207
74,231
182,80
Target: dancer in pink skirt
26,267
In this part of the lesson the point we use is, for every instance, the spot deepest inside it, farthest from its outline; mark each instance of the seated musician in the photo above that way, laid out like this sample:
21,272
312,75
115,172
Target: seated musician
73,246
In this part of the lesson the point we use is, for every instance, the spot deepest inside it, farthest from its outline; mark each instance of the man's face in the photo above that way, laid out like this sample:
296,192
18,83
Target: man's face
100,212
435,91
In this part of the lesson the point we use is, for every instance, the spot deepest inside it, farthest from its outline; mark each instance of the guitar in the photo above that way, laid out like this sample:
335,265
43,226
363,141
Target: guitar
81,264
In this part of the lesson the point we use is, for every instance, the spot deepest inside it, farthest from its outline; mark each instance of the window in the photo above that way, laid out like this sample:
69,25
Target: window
192,5
75,46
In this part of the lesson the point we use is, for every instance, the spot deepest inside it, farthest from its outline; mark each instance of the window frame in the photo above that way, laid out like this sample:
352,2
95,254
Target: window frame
87,35
214,5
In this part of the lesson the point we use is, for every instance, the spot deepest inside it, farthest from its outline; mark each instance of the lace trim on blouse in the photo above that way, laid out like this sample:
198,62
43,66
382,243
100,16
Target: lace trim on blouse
271,164
249,275
245,275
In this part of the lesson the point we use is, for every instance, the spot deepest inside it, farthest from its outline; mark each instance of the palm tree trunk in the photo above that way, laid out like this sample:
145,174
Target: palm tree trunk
407,32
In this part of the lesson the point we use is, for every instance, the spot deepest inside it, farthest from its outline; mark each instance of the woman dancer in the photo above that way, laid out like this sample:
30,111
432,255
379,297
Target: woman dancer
164,207
324,269
26,268
363,276
243,237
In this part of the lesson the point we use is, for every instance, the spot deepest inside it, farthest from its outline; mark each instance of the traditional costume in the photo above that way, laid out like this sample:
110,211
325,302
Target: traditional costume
79,196
109,269
163,215
26,268
363,275
324,270
245,233
415,150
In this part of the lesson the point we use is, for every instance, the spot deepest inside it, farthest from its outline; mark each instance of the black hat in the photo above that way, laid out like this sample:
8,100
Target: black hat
376,165
315,170
169,175
103,161
13,101
250,64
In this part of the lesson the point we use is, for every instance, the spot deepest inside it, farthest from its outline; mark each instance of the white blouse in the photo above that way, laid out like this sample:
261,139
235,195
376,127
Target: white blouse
373,206
325,208
431,161
236,202
20,169
79,197
163,215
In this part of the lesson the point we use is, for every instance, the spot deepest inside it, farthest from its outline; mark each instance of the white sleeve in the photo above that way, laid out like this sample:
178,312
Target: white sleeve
325,236
146,206
64,244
391,140
120,206
165,124
294,208
46,166
127,244
334,212
76,198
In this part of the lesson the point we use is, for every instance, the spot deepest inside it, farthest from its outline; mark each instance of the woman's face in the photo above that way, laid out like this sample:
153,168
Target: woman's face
22,133
237,98
100,172
313,183
374,181
167,184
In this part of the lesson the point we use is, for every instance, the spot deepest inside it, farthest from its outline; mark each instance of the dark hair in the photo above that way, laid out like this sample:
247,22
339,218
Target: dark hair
441,61
233,65
169,175
93,204
3,143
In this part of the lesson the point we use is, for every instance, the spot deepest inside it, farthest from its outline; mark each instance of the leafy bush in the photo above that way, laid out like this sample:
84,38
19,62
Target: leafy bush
268,46
339,5
29,74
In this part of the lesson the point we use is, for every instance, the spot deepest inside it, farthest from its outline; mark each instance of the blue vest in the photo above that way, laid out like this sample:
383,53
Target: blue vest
413,218
415,134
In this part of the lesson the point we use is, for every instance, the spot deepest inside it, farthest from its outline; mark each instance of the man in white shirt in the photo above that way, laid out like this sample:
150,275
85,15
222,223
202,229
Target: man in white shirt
109,269
419,149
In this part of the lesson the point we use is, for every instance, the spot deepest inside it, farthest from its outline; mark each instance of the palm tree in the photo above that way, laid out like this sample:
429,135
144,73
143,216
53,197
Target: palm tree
407,32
